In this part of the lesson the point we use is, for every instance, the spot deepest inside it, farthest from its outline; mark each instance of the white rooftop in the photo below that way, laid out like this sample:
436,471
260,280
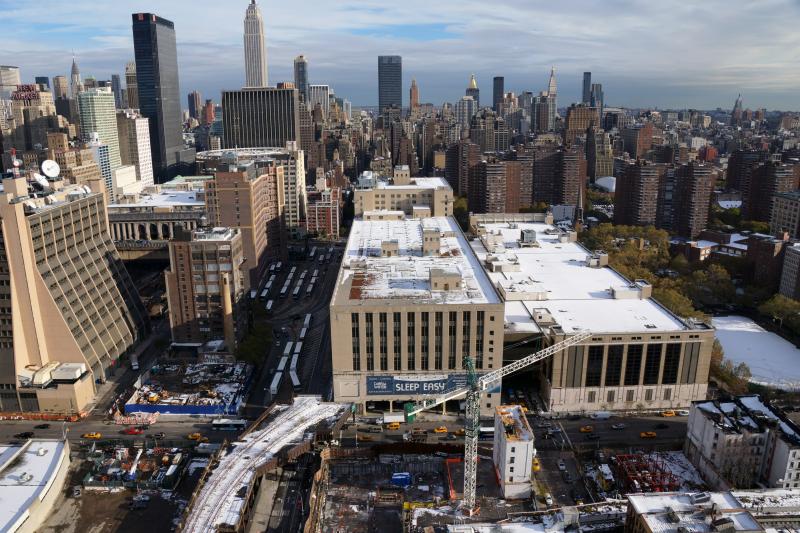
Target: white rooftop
27,472
366,275
655,509
578,297
171,198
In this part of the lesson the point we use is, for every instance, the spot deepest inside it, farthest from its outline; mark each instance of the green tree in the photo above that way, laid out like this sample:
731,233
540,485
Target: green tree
461,212
785,310
676,302
755,226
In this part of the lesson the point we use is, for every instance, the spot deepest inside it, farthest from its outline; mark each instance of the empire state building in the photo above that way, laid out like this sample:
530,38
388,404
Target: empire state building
255,53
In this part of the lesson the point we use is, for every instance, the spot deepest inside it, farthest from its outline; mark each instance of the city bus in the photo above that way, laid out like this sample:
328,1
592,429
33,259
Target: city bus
298,347
287,351
296,292
276,383
264,293
229,424
312,253
303,333
282,363
307,321
268,307
284,290
310,289
293,364
295,380
278,266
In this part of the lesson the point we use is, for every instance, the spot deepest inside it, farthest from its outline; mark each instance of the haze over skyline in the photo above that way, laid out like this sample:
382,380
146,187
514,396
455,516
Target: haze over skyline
669,54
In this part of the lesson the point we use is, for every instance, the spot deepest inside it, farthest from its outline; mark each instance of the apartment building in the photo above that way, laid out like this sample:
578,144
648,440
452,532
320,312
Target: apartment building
248,195
743,443
69,308
785,214
681,512
413,196
640,355
206,287
513,451
410,303
325,213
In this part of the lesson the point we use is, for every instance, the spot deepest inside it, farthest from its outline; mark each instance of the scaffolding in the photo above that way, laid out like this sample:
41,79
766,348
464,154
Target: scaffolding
645,473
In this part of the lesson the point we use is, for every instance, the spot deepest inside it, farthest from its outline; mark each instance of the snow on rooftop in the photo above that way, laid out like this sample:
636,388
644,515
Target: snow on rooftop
169,198
416,183
26,473
219,501
772,360
406,274
577,296
655,508
755,405
769,500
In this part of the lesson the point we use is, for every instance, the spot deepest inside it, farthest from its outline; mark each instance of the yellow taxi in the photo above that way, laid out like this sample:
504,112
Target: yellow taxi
194,436
364,438
536,465
440,429
587,429
647,435
393,425
459,432
668,413
93,435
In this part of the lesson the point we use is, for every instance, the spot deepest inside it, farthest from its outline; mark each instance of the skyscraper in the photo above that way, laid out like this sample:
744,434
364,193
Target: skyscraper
413,95
552,97
116,88
159,94
9,79
390,82
301,76
42,80
134,144
473,91
98,115
255,52
587,88
259,117
194,104
60,87
498,92
596,98
76,85
131,89
319,94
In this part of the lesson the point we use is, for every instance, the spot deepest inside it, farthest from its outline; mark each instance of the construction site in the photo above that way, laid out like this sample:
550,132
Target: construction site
135,467
205,389
402,487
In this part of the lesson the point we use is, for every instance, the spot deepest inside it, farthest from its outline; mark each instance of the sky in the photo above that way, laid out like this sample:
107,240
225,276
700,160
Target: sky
667,53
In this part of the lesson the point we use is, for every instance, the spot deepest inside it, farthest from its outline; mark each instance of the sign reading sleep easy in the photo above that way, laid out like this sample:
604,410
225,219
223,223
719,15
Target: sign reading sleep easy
414,385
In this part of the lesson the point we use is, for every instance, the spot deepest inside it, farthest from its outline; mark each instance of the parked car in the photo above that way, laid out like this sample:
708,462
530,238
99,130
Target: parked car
42,426
159,435
440,429
682,412
131,431
567,476
647,434
668,413
94,435
536,465
587,429
393,426
194,436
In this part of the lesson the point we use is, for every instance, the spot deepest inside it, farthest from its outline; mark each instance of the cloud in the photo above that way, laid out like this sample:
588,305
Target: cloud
669,54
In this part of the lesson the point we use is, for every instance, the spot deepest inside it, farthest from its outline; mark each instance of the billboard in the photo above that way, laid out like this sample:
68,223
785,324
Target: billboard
415,385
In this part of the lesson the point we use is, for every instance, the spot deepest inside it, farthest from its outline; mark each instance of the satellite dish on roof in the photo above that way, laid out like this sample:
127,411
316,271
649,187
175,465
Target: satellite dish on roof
50,168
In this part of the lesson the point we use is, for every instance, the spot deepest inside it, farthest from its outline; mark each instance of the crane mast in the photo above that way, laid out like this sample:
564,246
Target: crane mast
475,386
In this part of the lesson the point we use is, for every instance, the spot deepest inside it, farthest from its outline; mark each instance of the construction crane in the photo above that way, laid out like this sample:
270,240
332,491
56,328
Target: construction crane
473,389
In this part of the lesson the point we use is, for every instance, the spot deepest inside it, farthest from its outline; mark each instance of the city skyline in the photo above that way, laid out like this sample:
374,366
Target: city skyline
643,59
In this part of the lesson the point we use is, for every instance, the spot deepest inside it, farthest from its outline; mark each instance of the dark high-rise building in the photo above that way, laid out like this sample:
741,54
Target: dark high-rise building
301,76
390,82
494,186
587,88
571,178
740,164
260,116
638,140
159,93
762,184
116,88
545,172
195,105
578,120
694,183
42,80
636,196
460,159
498,92
596,98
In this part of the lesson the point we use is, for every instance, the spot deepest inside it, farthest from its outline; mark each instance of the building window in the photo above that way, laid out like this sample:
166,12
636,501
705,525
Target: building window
383,341
592,396
629,395
614,365
511,459
594,366
633,365
479,339
411,344
691,358
396,338
465,327
610,396
356,343
652,364
648,395
425,347
370,342
437,341
451,333
672,360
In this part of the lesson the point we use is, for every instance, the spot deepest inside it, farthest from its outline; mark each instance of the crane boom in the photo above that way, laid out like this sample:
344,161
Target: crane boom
486,381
